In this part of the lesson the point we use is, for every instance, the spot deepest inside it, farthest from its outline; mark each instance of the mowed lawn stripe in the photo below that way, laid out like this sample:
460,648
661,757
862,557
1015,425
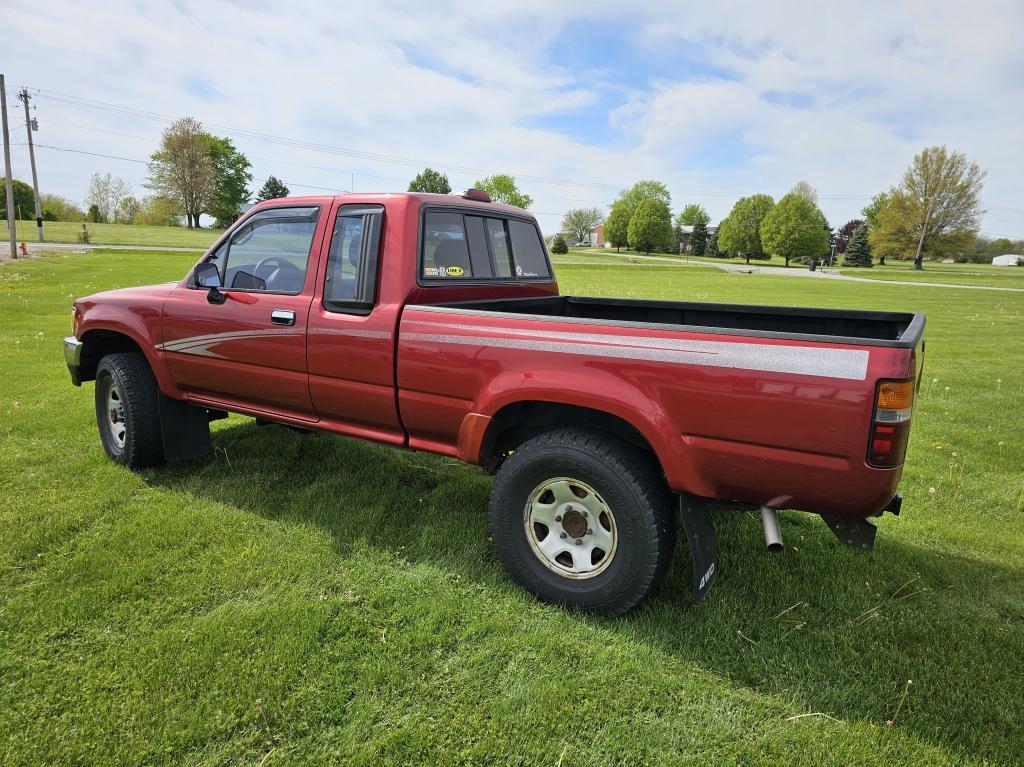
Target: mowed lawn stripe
351,589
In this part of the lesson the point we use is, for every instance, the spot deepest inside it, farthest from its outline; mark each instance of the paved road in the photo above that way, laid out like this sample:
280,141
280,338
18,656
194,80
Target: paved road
820,274
40,246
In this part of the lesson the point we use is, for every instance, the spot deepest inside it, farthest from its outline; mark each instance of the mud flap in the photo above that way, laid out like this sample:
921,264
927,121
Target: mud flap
185,429
695,516
855,532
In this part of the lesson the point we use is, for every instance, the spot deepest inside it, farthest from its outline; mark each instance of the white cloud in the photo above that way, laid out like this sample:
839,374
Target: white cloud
839,96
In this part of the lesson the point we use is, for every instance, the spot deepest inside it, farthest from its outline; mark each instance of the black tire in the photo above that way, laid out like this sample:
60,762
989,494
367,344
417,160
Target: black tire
626,480
136,390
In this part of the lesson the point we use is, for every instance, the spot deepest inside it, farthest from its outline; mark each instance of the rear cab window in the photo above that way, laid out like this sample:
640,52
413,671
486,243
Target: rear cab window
471,244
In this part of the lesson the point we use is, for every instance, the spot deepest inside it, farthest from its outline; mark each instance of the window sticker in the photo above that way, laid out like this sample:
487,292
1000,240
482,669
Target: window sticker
454,271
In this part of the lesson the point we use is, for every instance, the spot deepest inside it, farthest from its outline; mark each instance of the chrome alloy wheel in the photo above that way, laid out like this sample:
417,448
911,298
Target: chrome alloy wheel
570,528
115,416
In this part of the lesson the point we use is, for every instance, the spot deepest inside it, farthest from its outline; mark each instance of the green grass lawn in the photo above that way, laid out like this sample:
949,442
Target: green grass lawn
952,274
118,234
319,600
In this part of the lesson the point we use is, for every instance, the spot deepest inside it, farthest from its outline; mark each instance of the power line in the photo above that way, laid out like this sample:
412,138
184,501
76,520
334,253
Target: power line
374,156
332,190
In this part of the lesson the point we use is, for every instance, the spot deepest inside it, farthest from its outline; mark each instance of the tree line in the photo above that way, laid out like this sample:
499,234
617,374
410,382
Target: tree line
932,212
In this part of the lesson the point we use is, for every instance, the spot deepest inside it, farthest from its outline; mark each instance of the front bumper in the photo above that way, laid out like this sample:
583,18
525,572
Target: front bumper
73,358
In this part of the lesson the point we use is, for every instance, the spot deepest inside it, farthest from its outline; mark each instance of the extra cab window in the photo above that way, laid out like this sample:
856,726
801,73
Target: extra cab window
351,281
475,246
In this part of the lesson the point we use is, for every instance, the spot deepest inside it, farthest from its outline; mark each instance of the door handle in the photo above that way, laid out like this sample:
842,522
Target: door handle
282,317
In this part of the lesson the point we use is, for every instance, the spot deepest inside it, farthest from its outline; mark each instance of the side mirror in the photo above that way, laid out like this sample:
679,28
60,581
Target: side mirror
208,275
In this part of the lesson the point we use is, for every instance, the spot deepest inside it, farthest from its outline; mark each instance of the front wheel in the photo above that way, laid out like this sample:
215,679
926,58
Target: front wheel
583,520
126,411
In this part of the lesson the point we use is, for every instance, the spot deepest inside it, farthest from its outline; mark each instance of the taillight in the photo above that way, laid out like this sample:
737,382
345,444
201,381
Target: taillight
890,429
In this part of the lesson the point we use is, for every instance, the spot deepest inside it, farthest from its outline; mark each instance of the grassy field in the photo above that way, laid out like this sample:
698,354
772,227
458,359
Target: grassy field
318,600
950,274
118,234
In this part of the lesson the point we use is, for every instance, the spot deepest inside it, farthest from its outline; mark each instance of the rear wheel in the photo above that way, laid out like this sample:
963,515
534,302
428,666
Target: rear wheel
580,519
126,411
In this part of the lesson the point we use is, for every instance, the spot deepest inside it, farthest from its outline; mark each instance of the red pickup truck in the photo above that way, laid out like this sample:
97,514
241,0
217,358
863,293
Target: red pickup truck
434,322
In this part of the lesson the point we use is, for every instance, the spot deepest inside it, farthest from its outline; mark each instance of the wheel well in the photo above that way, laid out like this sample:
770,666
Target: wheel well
99,343
516,423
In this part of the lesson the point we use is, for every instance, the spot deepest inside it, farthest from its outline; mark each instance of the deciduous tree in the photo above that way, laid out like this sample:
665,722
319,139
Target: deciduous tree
502,188
691,214
805,190
792,229
231,179
740,232
616,227
127,209
870,211
578,222
24,200
57,208
846,232
160,211
649,189
430,181
650,226
183,168
934,211
272,189
106,192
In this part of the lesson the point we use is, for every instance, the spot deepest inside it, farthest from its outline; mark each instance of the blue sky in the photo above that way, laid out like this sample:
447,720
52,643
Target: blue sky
578,100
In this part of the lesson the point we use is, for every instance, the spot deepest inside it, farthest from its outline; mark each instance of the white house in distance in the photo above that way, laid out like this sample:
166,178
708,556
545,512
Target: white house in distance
1008,260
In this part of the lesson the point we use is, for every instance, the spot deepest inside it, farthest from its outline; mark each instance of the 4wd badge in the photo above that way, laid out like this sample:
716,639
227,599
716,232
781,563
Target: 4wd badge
455,271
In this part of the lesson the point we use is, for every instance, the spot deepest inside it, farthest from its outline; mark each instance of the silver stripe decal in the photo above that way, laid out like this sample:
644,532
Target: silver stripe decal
198,346
849,364
356,332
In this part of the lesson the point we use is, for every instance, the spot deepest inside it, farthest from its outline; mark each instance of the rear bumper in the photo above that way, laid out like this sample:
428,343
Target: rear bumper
73,358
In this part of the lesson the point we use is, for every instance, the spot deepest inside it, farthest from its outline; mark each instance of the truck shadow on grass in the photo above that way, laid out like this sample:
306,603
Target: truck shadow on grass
823,628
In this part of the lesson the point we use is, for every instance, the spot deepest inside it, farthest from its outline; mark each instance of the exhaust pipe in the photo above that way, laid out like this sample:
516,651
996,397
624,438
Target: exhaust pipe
772,534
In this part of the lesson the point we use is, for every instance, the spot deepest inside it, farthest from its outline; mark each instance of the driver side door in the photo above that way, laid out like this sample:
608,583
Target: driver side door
248,351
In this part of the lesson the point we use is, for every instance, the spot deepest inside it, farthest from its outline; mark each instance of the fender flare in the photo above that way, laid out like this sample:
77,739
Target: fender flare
154,358
628,404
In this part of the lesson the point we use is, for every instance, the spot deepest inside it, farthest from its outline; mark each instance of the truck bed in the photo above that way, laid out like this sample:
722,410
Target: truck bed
893,329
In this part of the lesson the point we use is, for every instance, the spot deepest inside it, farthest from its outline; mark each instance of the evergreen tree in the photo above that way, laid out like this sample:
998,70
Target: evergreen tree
858,251
558,244
699,238
712,246
845,233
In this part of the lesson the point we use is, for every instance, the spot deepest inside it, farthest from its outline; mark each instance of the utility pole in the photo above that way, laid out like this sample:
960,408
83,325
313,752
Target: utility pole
24,98
7,167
